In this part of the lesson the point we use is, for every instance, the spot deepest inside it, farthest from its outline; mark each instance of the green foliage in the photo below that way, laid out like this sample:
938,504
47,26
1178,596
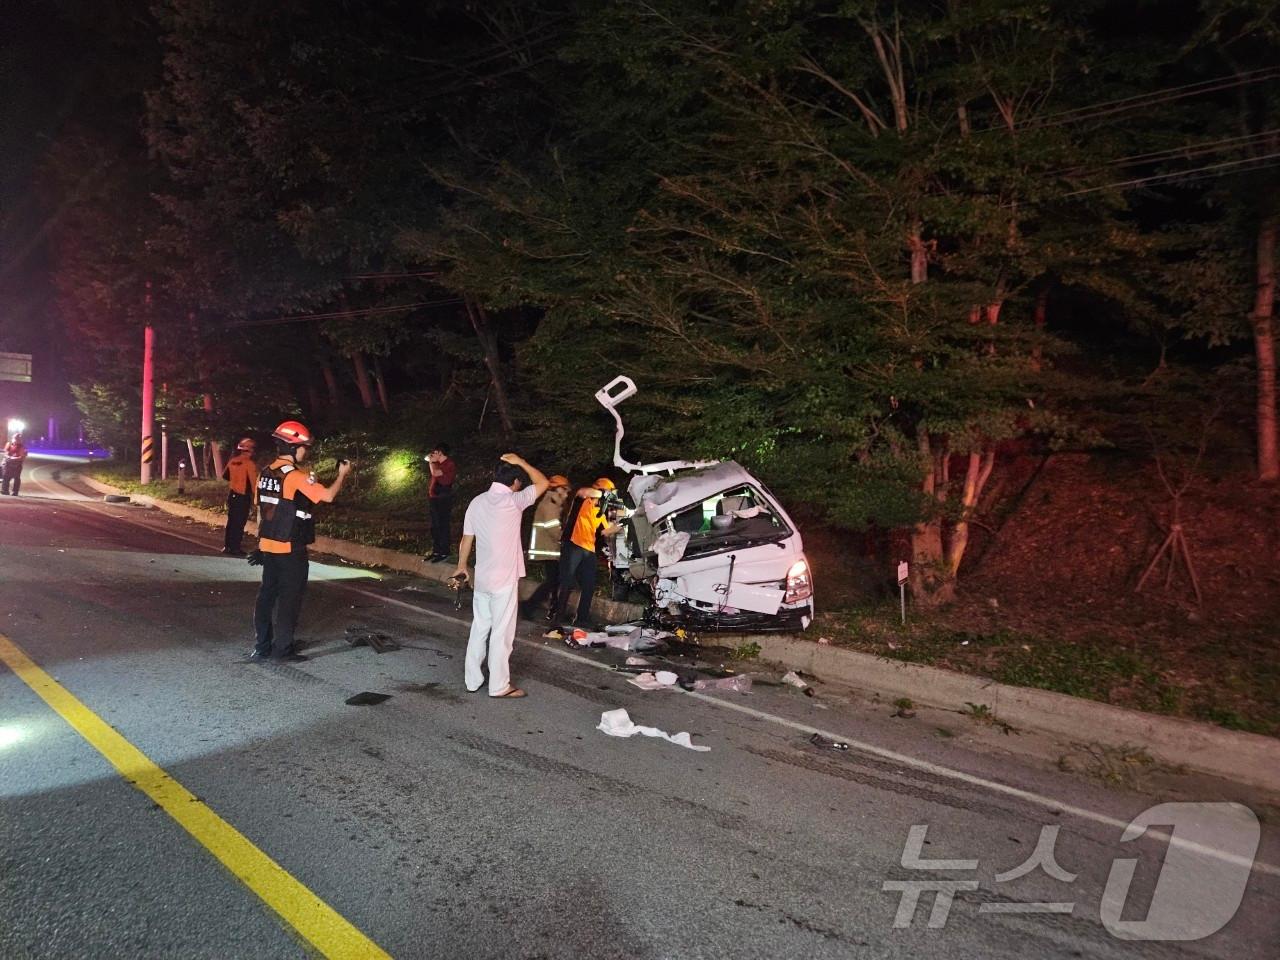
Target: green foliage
111,416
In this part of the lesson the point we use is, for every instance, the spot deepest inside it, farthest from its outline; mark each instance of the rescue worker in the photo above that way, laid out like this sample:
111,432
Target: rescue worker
287,498
15,454
584,524
544,545
241,474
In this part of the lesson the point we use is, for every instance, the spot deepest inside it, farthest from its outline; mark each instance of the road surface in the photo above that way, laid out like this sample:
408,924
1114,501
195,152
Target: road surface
250,812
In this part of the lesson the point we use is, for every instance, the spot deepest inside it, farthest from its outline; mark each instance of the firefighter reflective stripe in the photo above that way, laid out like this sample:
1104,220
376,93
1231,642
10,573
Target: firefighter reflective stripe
542,540
268,499
302,515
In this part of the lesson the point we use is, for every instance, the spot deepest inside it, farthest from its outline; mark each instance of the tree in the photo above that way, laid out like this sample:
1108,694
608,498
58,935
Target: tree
837,233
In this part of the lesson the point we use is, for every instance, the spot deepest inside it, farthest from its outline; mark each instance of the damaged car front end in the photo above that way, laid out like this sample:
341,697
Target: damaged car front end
708,543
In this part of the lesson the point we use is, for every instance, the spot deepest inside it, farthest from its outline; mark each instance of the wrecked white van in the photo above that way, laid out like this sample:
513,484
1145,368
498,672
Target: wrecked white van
711,546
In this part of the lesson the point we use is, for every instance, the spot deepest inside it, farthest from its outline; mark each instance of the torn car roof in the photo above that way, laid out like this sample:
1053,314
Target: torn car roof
662,496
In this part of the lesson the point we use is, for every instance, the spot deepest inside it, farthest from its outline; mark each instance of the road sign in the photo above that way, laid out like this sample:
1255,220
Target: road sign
902,589
15,367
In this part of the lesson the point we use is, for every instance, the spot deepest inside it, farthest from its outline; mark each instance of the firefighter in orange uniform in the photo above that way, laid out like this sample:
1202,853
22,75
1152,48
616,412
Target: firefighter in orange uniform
585,523
287,498
241,474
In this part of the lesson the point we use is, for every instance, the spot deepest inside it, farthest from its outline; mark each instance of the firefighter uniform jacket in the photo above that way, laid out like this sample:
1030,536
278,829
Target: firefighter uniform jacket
544,536
286,515
241,473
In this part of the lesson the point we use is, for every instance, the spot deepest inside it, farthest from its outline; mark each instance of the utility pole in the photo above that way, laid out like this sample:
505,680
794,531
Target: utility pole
148,393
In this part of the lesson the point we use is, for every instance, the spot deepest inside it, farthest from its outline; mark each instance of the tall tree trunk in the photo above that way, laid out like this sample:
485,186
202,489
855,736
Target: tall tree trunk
215,448
330,382
362,379
1040,317
326,368
484,333
381,384
929,584
202,373
919,254
975,479
1264,345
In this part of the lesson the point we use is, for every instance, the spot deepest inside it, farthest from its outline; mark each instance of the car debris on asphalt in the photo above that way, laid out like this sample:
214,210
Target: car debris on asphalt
618,723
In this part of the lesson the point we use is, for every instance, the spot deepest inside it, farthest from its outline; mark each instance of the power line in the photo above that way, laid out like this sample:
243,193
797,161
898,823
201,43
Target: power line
343,314
392,276
1152,98
1177,175
1187,151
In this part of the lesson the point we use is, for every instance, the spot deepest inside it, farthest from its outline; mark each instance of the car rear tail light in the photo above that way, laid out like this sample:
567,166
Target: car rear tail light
799,586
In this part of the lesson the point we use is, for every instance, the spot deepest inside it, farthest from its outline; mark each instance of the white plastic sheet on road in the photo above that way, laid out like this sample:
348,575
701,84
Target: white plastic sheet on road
617,723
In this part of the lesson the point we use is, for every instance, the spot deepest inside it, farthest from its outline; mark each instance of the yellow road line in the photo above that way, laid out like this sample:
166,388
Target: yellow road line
314,919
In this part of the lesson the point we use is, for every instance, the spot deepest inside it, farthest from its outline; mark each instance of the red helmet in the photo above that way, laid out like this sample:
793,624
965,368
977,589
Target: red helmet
291,431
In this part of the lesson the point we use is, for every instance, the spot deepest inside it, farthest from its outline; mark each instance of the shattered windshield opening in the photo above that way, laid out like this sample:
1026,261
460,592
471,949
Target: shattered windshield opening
733,518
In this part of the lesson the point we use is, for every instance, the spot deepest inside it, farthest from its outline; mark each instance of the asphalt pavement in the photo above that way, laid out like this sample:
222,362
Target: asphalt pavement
439,823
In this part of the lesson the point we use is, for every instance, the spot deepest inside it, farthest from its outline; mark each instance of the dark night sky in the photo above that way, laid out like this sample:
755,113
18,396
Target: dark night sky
50,72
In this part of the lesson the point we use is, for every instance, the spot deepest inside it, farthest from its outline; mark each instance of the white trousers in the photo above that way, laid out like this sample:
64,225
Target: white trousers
493,627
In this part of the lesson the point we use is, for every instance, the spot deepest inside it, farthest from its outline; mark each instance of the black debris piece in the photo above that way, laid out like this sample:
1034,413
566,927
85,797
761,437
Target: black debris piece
367,699
359,636
818,740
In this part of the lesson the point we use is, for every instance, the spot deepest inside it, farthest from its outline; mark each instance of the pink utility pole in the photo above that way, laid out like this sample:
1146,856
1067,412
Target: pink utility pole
148,396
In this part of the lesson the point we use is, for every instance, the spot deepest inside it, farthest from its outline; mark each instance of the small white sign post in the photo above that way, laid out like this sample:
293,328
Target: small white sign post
902,589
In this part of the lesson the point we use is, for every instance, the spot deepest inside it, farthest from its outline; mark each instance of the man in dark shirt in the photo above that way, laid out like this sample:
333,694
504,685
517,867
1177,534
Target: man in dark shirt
440,499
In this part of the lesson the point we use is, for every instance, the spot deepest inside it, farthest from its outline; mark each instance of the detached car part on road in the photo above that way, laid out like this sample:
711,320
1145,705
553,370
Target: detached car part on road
708,543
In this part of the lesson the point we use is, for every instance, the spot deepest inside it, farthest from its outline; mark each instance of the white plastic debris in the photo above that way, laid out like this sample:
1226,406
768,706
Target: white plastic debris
670,548
739,684
660,680
795,680
618,723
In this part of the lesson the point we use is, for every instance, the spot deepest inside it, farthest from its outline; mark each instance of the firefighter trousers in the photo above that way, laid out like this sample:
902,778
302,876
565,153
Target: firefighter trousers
577,568
238,505
284,581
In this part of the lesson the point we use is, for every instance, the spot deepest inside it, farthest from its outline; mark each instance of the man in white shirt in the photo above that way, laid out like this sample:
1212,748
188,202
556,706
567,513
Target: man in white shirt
492,524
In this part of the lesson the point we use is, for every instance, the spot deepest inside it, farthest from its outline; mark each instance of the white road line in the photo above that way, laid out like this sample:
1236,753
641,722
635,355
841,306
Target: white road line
1036,799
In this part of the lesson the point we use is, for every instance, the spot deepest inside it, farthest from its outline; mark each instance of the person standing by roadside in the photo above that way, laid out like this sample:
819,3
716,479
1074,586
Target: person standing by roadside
492,525
241,474
440,500
585,523
287,498
15,455
544,545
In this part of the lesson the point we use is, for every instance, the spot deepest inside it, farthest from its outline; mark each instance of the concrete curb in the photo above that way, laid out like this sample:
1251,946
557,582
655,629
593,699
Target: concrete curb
609,611
1243,757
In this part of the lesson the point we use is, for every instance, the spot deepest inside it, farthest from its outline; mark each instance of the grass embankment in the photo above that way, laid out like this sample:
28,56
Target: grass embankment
1233,684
